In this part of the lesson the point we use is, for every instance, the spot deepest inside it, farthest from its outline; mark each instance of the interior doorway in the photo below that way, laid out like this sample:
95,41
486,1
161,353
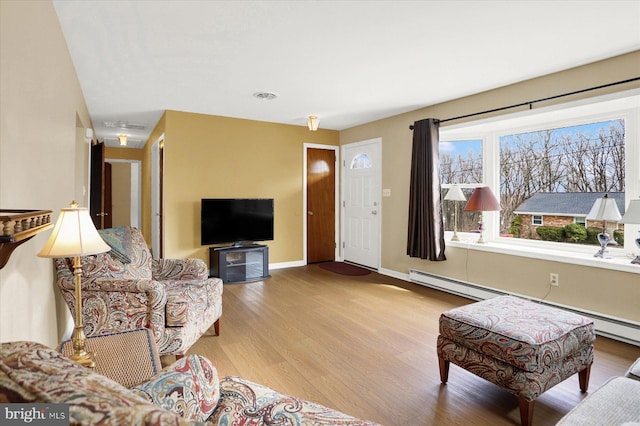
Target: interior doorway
157,190
321,232
126,192
361,178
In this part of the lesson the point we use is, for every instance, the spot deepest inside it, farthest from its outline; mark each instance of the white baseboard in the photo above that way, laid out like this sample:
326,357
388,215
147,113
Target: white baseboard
283,265
616,328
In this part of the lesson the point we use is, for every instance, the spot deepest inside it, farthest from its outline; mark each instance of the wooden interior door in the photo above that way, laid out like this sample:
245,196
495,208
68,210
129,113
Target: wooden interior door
97,182
321,210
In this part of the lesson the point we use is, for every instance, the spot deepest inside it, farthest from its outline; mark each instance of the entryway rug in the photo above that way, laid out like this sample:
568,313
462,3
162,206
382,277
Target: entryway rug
344,268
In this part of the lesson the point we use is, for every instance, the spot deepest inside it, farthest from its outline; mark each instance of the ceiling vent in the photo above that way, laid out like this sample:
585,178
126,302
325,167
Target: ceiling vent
267,96
123,125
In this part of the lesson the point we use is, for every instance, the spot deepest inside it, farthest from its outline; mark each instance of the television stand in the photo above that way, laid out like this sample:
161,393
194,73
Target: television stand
239,264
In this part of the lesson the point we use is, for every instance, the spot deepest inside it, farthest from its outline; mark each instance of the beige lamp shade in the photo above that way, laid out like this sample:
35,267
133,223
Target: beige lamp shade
482,200
632,214
74,235
455,194
605,208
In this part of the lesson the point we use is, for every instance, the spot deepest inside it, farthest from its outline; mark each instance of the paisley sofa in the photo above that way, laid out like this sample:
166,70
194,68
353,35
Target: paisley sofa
126,288
188,392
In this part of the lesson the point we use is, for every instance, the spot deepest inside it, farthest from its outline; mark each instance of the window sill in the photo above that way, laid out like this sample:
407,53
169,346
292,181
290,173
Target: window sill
584,257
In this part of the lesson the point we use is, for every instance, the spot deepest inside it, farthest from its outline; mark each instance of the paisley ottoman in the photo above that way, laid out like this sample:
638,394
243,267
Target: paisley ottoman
521,346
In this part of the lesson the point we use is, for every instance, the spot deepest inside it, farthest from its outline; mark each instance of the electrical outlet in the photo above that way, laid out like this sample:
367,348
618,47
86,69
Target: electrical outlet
554,279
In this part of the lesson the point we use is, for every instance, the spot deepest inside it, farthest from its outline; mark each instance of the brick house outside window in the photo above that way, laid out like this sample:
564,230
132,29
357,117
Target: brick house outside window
560,209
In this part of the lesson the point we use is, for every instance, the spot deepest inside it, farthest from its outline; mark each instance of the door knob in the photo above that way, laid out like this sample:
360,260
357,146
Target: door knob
310,213
375,212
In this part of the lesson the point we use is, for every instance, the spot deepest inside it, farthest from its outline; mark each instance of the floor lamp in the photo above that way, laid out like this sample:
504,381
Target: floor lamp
74,235
482,200
455,194
632,215
604,209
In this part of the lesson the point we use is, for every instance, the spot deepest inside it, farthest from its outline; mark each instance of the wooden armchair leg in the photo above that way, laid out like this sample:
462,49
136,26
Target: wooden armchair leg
444,370
583,378
216,327
526,412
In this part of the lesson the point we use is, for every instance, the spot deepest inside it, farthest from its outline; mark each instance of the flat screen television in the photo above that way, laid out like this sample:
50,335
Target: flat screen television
236,220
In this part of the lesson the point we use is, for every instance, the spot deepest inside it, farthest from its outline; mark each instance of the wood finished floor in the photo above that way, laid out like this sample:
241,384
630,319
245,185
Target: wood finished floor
366,346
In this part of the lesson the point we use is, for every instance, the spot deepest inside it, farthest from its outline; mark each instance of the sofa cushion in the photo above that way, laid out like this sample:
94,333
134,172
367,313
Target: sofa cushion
46,376
521,333
258,405
189,387
116,239
614,403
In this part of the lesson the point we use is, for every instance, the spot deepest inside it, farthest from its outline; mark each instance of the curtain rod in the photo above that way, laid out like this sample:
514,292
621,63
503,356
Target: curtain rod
530,103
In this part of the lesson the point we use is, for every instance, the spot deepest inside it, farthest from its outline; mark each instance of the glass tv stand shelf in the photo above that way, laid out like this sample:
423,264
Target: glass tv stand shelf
239,264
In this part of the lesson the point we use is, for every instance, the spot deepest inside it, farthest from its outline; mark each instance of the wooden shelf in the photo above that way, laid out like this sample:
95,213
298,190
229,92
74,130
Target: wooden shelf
19,226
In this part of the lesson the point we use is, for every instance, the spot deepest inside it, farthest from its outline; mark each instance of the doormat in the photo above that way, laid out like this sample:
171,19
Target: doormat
344,268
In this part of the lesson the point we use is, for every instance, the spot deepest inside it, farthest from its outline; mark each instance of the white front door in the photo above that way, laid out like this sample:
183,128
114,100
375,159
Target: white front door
361,203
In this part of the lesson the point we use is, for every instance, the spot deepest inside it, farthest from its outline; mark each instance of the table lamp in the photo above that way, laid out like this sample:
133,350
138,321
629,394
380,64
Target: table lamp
632,215
74,235
482,200
604,209
455,194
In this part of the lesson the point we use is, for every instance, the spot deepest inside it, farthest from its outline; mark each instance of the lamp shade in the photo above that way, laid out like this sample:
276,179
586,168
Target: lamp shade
74,235
455,194
632,214
482,200
313,122
604,208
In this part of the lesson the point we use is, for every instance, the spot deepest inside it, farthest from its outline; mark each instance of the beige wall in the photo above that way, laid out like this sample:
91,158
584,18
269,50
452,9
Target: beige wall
218,157
43,158
120,194
609,292
123,153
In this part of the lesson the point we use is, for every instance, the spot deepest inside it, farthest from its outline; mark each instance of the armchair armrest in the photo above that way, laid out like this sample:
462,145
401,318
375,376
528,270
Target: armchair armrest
179,269
189,387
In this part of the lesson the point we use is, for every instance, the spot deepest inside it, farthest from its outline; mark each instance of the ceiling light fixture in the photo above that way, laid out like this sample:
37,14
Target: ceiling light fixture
313,122
265,96
122,139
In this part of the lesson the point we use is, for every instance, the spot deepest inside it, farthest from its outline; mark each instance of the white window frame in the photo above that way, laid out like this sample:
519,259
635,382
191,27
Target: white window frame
582,221
622,105
533,220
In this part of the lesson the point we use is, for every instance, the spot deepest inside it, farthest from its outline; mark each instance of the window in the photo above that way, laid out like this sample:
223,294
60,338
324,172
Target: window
361,161
551,165
460,164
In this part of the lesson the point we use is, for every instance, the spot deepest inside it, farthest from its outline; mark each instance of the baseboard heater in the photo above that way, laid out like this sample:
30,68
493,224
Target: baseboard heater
615,328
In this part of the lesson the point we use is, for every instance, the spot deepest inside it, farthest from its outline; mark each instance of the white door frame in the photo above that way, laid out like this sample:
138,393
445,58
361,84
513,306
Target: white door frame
377,141
155,197
335,149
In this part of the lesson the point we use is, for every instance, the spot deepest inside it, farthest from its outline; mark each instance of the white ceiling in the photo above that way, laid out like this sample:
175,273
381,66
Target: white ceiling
348,62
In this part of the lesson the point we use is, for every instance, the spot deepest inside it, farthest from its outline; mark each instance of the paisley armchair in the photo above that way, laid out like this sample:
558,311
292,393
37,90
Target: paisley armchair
126,289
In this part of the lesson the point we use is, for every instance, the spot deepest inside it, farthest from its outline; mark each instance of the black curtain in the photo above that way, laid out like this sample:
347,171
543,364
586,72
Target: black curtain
426,231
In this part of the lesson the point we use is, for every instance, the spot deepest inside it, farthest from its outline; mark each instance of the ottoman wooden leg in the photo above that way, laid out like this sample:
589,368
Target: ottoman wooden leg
583,378
444,370
526,411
